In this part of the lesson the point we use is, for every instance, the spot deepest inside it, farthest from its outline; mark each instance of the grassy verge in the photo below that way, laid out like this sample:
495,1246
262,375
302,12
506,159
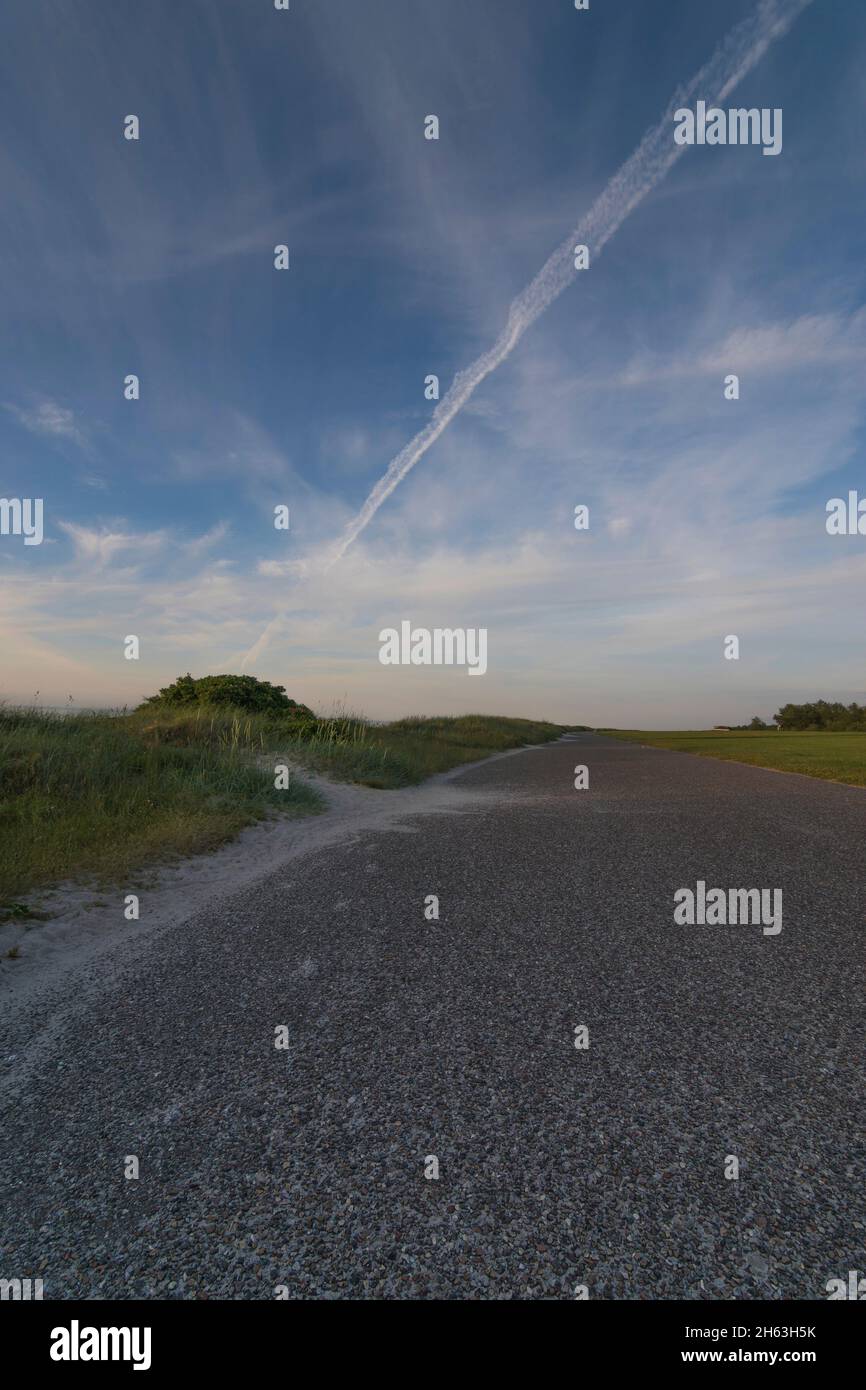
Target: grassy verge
410,750
102,796
835,757
91,796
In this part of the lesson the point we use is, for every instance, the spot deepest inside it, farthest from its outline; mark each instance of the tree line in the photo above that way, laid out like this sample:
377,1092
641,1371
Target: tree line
831,715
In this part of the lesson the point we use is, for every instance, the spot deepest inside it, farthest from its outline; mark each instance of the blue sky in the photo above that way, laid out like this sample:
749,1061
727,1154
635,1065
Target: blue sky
259,387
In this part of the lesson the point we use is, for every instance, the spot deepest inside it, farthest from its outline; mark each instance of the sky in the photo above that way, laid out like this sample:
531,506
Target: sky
261,387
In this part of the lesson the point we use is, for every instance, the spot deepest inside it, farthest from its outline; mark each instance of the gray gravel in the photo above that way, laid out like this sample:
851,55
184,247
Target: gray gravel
407,1038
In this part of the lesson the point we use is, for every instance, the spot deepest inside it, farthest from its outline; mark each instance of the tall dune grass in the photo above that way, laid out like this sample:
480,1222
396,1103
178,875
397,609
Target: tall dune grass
94,796
100,796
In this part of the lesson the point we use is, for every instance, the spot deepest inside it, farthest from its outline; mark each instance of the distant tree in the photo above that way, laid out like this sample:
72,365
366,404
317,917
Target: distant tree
757,722
823,714
241,692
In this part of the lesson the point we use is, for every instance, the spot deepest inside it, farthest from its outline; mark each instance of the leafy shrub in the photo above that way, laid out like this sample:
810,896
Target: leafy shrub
241,692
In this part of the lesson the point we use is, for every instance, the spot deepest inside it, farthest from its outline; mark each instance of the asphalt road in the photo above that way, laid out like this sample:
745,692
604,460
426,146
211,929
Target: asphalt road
411,1039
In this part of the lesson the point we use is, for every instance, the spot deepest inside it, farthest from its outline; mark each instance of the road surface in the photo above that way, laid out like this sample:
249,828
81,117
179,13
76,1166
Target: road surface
303,1170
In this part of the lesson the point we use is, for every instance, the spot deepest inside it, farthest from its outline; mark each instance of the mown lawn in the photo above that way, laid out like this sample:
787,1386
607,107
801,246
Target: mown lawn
836,757
98,797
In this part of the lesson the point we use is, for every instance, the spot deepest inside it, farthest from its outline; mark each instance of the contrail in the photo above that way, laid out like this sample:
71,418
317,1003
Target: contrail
743,48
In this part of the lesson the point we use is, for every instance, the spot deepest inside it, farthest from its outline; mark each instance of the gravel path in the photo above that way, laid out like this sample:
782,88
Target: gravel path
410,1039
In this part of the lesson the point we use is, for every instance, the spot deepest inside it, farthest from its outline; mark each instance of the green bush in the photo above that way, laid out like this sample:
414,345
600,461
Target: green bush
241,692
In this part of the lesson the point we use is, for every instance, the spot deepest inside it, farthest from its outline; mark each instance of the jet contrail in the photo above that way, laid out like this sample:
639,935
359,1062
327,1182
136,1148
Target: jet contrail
655,155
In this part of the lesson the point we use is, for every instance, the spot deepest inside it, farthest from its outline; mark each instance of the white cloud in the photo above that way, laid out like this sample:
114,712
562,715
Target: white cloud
50,419
100,548
820,339
210,538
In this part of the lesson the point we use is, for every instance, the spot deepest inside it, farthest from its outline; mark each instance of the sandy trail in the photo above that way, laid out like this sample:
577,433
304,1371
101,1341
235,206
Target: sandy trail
86,925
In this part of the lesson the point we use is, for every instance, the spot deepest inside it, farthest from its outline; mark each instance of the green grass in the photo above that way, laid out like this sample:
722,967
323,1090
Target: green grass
835,757
415,748
348,748
100,797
